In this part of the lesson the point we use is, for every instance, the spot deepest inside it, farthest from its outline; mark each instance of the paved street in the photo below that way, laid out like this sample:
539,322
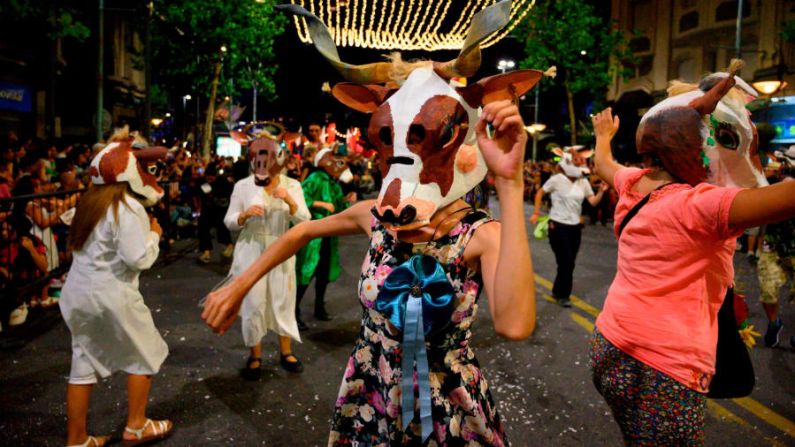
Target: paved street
542,385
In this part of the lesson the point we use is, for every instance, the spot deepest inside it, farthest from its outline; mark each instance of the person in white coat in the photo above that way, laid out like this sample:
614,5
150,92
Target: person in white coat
262,208
113,241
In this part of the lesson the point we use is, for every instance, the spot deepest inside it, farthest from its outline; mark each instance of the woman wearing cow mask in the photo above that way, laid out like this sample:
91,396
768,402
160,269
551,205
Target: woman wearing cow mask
569,188
430,253
262,208
653,351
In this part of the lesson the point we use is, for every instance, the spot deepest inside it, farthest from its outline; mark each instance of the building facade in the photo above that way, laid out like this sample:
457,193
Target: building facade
685,39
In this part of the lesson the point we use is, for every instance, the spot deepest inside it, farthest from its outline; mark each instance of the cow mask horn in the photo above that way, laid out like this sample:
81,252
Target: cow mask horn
424,131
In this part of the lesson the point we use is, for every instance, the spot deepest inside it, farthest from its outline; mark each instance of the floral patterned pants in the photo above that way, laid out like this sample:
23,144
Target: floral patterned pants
651,408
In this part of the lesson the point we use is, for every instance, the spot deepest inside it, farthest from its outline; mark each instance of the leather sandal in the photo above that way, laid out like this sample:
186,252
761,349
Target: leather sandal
293,367
250,373
160,430
92,441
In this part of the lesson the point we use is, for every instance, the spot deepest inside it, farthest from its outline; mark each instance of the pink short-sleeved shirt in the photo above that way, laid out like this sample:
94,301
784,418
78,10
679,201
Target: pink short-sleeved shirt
674,267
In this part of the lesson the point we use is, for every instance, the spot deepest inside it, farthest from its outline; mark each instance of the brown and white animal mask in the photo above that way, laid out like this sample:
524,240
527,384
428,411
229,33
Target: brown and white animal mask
334,165
705,134
422,126
118,162
267,158
573,160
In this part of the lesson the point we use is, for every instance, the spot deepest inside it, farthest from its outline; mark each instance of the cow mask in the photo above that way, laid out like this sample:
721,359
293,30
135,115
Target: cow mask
118,162
573,161
334,165
267,154
422,126
705,133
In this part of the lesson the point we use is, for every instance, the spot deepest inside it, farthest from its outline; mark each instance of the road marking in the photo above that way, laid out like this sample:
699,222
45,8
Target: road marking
767,415
575,300
721,412
582,321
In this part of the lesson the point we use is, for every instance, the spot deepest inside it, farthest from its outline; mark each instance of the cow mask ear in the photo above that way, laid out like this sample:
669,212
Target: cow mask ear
509,85
364,98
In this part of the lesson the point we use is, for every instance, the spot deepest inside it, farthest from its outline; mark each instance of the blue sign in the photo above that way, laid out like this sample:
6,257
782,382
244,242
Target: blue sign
15,97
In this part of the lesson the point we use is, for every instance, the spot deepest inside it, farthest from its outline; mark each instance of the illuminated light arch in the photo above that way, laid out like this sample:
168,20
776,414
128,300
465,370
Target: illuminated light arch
412,25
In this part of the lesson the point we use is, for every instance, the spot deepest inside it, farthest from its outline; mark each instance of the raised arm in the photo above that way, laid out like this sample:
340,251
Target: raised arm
503,249
222,305
605,126
759,206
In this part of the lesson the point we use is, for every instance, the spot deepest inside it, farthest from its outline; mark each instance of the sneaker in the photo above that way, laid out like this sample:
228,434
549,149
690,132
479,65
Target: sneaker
18,315
773,332
228,251
564,302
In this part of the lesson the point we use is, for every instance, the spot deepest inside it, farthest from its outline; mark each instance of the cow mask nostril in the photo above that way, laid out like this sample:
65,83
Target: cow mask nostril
407,216
400,161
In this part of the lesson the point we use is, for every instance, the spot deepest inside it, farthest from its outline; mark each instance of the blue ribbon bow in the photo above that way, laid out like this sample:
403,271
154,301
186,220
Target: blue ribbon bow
417,299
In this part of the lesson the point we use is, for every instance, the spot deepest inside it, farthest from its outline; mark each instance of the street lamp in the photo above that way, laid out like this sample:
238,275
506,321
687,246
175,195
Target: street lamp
223,48
768,81
534,130
505,64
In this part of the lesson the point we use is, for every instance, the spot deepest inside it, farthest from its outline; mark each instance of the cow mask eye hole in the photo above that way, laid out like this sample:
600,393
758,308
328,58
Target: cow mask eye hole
385,135
416,134
726,136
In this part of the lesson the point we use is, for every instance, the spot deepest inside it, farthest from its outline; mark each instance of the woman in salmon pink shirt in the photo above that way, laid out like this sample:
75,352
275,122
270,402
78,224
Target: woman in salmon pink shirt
654,346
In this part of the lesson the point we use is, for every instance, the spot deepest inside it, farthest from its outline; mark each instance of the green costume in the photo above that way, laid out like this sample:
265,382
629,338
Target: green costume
319,186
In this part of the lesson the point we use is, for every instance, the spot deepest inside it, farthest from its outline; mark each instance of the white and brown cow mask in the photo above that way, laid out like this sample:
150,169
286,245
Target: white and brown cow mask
118,162
704,133
422,126
573,160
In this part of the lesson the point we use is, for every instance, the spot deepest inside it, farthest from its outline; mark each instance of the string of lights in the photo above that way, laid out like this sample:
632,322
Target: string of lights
412,25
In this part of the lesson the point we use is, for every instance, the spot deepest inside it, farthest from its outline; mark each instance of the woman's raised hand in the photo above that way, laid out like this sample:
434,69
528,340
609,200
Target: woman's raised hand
504,152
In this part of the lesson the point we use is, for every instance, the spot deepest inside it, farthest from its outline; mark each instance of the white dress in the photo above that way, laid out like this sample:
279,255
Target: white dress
270,304
100,301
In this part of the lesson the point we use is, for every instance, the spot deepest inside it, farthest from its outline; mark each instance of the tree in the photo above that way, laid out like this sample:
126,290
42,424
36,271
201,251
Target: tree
586,48
188,42
59,21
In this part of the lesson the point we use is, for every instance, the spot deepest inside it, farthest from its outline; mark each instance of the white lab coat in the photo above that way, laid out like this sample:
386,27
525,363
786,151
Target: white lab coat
100,301
270,304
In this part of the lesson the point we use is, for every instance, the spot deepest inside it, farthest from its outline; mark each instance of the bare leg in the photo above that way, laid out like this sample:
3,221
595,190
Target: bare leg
256,353
771,310
137,396
77,399
285,347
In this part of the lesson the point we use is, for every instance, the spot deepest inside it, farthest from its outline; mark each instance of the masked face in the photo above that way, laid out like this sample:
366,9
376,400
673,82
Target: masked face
716,143
267,158
425,137
335,166
573,162
117,162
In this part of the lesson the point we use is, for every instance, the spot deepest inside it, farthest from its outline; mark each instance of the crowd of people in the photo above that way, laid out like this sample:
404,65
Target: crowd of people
41,182
412,377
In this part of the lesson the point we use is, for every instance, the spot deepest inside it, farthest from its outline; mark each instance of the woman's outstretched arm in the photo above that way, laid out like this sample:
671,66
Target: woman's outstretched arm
503,249
759,206
222,305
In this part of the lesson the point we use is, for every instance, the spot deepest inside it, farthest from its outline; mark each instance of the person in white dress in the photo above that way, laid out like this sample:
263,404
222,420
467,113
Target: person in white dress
568,188
262,208
113,241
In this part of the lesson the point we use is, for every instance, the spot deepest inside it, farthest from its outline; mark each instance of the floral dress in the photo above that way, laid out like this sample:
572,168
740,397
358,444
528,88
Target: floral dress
368,405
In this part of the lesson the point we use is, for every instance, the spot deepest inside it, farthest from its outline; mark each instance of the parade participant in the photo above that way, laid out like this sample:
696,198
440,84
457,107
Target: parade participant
262,208
775,264
214,194
568,188
320,259
113,241
653,350
430,253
